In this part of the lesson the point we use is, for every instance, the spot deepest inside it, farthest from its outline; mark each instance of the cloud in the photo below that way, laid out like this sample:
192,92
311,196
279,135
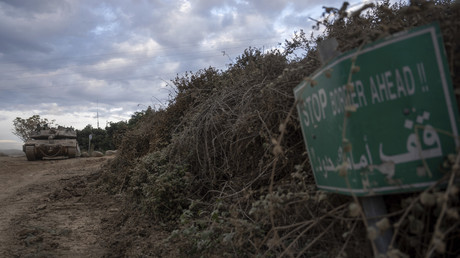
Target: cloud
69,59
25,25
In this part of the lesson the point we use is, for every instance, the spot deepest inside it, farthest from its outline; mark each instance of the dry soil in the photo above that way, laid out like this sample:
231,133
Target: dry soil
49,209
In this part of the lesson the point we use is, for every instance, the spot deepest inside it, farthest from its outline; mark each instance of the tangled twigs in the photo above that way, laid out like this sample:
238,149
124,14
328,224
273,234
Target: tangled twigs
436,242
312,224
277,151
342,250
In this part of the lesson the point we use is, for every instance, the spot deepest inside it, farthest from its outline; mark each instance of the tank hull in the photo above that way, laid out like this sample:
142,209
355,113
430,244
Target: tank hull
52,144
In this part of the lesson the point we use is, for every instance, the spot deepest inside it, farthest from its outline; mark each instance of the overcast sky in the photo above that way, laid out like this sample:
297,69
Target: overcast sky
69,59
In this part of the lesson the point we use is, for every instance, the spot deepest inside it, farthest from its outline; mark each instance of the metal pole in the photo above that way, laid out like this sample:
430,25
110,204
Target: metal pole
375,209
89,143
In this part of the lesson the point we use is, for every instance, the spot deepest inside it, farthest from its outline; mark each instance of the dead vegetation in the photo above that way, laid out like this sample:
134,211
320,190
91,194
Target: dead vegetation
223,168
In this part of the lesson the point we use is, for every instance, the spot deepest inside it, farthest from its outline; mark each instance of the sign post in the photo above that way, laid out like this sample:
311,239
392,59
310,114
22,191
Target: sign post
89,143
401,119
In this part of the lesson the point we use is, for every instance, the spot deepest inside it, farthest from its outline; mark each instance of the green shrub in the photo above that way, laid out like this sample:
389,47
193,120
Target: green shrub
159,187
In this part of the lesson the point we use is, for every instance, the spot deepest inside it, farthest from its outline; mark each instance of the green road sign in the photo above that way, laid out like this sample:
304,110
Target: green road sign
405,123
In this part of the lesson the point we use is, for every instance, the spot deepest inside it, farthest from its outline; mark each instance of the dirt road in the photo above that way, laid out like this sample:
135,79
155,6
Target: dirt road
47,209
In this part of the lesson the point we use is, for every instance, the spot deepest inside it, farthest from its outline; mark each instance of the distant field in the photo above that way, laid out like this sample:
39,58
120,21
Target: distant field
11,152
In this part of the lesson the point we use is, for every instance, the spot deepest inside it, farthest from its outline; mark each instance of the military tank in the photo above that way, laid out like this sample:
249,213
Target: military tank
52,143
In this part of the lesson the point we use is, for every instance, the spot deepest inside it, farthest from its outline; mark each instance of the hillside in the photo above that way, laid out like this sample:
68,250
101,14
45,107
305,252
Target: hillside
223,169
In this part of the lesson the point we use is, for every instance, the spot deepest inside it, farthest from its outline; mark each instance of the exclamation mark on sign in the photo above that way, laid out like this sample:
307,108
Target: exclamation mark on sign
422,75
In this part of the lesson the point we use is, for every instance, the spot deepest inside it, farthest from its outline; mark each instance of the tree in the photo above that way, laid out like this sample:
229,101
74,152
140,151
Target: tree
100,140
137,116
24,127
116,132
